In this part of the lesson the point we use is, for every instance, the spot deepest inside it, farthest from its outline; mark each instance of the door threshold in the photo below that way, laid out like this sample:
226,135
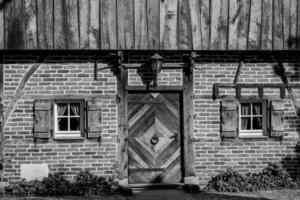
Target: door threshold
156,186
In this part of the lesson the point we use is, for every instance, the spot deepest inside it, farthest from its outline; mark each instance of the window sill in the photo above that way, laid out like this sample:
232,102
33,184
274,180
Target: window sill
68,138
253,137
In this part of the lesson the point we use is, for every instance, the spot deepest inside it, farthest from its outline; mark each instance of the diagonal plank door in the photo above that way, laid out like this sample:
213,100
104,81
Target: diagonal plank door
154,138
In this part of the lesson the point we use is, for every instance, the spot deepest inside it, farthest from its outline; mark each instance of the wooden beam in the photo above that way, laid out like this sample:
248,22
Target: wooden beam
238,24
195,10
15,25
185,26
205,9
153,24
157,89
255,31
2,29
168,24
266,26
31,24
278,39
122,81
125,17
108,24
45,24
238,71
140,24
89,25
2,138
298,26
19,91
188,123
290,24
66,29
219,24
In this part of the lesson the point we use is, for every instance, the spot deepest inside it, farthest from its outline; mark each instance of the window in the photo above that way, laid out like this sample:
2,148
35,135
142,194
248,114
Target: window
68,118
252,118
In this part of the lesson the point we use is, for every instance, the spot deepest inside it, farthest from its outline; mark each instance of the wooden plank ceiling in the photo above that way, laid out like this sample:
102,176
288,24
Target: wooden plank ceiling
150,24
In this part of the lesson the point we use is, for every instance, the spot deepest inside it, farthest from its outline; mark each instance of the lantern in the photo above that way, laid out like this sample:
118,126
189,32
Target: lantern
156,64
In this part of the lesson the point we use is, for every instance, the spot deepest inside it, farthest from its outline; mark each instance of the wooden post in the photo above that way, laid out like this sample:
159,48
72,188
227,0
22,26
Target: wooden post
1,111
188,123
122,79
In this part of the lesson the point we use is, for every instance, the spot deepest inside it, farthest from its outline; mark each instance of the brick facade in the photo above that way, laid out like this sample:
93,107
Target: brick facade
74,75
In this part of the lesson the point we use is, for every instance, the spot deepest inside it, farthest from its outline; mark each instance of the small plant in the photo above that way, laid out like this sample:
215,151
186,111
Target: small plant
56,185
25,188
271,177
88,184
85,184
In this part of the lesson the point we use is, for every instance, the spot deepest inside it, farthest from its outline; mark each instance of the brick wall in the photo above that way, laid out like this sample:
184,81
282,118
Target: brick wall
212,155
74,75
55,80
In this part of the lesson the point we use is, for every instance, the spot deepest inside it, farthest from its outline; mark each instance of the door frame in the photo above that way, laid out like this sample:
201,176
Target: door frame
181,129
186,90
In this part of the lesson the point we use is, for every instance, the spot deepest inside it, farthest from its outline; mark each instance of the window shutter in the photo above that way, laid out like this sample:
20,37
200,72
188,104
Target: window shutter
94,119
42,118
229,118
277,122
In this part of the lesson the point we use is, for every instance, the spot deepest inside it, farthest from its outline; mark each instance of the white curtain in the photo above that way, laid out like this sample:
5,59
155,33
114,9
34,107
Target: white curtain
75,108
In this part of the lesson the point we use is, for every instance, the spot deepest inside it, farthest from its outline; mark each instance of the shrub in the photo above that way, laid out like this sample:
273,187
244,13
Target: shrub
85,184
271,177
89,184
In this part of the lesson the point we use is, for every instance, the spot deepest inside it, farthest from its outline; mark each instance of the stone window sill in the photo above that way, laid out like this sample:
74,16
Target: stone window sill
253,137
68,138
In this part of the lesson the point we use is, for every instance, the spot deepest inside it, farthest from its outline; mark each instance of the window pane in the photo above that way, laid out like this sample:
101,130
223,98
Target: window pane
74,109
62,109
257,123
246,125
74,124
245,108
62,124
257,109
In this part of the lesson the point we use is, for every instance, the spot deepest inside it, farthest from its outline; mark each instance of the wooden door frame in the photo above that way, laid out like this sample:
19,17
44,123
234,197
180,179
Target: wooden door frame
186,91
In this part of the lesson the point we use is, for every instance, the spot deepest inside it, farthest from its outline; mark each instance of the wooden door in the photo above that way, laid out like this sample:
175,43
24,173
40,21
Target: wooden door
154,138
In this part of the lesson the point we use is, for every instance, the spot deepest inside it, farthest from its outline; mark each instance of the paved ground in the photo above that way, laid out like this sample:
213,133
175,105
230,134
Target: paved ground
181,195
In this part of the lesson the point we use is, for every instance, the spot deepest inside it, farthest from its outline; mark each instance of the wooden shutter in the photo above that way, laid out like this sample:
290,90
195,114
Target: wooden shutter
277,116
94,119
42,118
229,118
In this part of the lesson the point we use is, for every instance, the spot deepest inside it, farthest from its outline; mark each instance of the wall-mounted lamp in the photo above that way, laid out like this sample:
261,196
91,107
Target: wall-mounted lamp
156,64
